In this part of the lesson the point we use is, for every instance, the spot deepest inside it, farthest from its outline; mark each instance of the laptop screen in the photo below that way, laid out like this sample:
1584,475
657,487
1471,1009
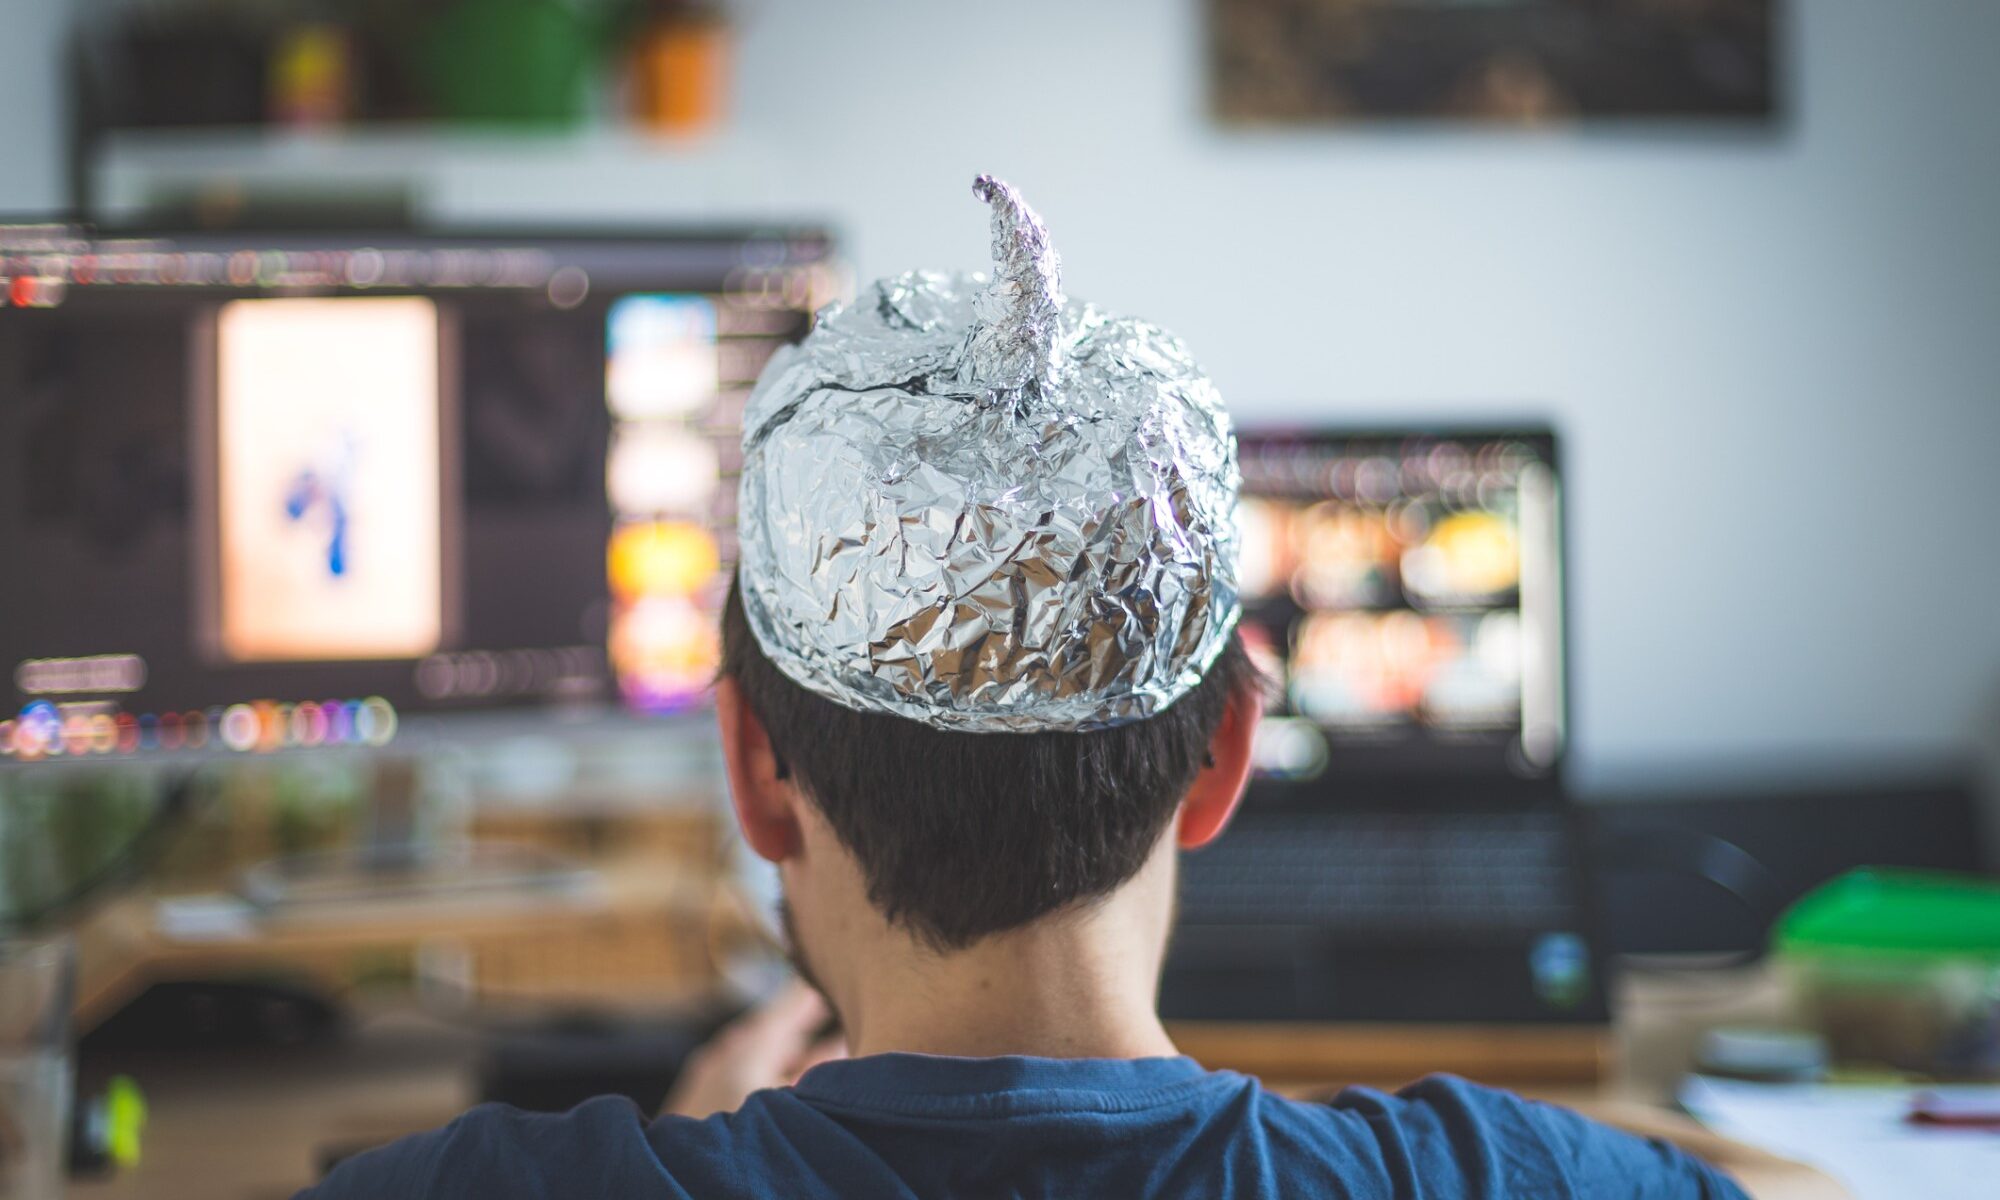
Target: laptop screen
1403,592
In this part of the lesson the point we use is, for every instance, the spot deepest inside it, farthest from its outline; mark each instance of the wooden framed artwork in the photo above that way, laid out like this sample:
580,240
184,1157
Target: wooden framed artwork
1308,62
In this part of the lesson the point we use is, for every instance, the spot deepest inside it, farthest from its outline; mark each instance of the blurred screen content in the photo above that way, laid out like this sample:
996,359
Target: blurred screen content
1405,593
664,477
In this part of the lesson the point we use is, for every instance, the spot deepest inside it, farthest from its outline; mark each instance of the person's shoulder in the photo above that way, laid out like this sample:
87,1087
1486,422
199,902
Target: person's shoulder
498,1151
1497,1143
1443,1099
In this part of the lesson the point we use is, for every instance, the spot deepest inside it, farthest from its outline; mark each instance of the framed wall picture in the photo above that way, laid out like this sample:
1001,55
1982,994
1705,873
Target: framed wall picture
1529,62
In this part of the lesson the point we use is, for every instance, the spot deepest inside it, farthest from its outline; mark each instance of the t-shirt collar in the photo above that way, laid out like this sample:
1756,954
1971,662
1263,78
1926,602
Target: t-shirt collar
938,1085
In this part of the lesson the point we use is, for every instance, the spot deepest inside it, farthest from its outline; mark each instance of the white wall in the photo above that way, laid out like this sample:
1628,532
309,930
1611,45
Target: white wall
1776,356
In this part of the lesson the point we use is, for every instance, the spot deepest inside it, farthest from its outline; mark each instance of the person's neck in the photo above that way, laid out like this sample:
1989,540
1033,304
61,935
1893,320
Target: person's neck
1079,984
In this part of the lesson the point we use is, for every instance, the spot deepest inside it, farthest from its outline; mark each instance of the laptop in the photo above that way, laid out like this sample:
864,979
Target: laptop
1406,851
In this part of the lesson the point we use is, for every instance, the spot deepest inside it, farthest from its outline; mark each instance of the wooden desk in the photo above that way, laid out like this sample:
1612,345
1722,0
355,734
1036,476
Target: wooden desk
1307,1056
649,924
251,1127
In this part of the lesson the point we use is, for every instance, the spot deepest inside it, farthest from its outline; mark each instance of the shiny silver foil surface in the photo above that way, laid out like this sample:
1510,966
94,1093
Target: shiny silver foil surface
972,503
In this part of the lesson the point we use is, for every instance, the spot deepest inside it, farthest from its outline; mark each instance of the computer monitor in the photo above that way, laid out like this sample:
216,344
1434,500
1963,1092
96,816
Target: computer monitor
269,491
1404,592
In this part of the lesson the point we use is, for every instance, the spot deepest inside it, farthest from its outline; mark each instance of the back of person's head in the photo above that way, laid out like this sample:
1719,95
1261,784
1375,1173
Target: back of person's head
985,602
961,835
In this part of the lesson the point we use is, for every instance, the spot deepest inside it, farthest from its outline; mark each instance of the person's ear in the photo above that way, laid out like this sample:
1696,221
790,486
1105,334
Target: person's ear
1225,774
764,800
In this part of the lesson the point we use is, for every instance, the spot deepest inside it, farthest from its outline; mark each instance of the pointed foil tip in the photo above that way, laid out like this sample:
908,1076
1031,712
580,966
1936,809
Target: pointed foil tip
1015,347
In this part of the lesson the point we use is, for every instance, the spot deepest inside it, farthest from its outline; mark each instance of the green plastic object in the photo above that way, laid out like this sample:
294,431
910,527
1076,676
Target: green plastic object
1878,913
512,62
125,1120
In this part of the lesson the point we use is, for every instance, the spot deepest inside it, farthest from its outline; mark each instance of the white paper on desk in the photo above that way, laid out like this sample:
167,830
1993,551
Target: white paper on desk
1858,1134
216,918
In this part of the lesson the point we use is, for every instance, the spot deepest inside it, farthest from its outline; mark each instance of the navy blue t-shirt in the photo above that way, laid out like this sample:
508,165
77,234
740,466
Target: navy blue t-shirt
907,1125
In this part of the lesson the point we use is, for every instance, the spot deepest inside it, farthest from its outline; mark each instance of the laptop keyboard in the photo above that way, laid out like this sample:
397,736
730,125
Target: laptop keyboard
1389,873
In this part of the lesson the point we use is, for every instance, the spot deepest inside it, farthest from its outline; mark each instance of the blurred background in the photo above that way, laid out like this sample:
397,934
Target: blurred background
1732,257
1762,334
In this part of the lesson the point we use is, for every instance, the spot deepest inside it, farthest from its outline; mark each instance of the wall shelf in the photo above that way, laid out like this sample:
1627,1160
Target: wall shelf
461,174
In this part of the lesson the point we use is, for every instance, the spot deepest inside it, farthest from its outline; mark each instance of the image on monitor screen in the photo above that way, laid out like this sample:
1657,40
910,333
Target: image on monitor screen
1403,593
261,492
327,492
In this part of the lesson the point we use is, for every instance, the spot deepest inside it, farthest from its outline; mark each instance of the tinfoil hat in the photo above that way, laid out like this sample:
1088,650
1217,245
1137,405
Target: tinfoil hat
974,504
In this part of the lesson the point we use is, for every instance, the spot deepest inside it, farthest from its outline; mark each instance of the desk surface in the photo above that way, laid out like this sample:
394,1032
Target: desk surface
252,1127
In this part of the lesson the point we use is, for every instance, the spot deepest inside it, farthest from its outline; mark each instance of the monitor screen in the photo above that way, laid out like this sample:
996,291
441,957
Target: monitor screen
1403,592
274,491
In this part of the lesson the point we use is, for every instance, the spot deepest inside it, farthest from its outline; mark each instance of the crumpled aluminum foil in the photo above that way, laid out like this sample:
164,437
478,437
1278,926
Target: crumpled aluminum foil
972,504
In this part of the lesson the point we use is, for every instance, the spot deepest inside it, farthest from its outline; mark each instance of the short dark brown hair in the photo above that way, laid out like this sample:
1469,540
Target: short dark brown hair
963,835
